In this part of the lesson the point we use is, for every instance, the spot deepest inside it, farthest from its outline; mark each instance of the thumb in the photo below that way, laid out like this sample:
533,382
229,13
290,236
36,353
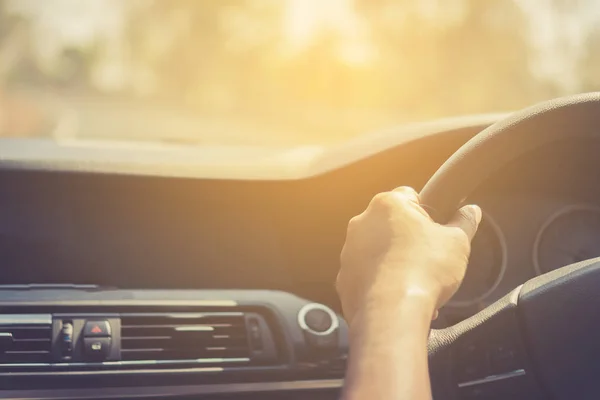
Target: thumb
467,219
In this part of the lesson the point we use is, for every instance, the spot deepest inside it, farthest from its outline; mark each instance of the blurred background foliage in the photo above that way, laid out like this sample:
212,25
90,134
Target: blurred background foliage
286,71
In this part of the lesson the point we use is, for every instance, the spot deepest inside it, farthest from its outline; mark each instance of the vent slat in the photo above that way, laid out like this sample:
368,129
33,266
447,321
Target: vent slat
30,345
165,337
27,332
26,352
141,350
175,326
147,337
26,343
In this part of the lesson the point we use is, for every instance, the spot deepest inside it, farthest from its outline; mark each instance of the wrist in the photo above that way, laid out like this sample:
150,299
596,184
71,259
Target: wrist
407,308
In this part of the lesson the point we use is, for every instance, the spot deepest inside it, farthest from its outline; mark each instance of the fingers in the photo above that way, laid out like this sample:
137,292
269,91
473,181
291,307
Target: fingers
396,199
410,194
467,219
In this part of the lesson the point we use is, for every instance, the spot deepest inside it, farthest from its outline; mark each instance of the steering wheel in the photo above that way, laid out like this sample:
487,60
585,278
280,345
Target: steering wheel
542,340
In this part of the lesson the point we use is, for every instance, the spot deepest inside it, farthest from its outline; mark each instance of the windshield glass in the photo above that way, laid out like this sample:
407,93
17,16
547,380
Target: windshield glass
281,72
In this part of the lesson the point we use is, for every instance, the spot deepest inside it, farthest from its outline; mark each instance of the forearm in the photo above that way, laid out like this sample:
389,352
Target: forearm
388,352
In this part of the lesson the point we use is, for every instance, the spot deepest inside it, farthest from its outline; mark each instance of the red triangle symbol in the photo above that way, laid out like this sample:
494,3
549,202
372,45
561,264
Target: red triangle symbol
96,329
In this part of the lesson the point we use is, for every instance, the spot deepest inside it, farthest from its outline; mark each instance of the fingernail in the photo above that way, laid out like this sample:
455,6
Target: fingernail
477,212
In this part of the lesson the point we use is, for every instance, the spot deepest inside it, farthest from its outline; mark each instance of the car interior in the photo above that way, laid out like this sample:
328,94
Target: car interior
137,285
177,180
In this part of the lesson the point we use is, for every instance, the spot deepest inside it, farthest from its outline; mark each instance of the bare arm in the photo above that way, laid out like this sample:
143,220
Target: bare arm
398,268
388,357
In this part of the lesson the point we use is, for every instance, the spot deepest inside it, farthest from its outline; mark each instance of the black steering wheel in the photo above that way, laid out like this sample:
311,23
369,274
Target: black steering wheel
542,340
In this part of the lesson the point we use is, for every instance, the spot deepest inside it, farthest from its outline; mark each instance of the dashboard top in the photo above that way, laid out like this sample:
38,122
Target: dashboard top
215,162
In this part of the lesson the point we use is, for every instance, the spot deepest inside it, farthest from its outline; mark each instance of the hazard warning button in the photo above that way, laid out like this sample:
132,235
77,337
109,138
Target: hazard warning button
96,329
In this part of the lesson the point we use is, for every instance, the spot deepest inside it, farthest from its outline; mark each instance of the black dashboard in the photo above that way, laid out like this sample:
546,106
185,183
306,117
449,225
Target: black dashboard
139,233
79,247
142,232
135,231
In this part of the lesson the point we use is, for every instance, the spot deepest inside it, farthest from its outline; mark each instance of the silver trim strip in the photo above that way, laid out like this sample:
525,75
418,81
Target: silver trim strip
493,378
132,363
28,319
174,391
185,315
86,315
26,365
195,328
182,315
120,371
122,303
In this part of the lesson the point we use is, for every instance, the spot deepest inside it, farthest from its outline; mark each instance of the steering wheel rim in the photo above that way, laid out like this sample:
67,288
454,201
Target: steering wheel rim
555,357
504,141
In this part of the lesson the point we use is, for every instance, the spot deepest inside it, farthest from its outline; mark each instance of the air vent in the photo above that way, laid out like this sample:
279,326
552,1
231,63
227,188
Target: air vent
25,339
184,336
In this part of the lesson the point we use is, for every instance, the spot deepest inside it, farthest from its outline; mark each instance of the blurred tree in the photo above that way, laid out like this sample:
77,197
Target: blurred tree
19,116
9,29
452,57
203,52
75,66
19,63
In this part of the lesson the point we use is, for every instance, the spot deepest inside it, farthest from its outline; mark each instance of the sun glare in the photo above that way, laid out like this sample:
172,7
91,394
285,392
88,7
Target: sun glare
308,18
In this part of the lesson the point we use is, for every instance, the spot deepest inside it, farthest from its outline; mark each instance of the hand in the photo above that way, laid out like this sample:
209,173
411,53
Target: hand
394,251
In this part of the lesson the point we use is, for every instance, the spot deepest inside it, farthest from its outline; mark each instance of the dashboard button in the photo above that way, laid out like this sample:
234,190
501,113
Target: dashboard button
321,330
318,320
67,338
96,329
96,349
255,334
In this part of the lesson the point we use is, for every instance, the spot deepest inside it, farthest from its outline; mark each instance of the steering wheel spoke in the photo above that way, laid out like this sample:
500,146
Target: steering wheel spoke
483,357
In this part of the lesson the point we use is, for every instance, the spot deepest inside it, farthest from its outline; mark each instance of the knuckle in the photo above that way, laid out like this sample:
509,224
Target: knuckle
408,192
354,221
406,189
380,198
353,226
387,201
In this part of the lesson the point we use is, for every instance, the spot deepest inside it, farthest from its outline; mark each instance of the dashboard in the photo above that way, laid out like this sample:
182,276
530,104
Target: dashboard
160,233
83,247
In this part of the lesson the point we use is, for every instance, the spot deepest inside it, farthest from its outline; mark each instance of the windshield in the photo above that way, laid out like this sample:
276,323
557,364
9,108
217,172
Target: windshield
281,72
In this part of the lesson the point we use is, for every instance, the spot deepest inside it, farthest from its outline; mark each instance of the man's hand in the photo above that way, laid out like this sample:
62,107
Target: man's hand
398,268
394,251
